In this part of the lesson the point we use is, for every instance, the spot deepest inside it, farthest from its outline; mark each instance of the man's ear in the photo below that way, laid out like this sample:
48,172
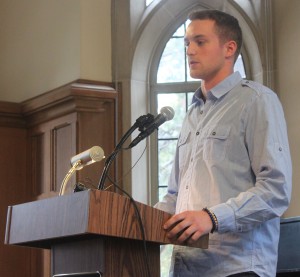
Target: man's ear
230,48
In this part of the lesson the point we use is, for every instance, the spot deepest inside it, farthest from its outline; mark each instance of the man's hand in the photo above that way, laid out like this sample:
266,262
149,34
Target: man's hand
188,227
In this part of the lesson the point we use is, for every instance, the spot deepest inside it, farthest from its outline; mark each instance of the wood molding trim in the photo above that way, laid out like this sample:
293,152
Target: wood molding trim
10,115
73,97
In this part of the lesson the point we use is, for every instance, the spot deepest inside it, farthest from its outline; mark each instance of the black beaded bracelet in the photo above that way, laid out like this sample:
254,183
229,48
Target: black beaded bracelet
213,218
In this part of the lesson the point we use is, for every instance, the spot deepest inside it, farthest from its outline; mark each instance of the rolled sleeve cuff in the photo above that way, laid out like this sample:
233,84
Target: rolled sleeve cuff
225,216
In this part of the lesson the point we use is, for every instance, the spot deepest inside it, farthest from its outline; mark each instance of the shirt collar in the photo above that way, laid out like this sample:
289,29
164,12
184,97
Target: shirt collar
220,89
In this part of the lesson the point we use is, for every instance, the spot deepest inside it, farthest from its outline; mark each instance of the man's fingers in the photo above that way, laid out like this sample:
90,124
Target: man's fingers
185,234
173,221
187,227
176,229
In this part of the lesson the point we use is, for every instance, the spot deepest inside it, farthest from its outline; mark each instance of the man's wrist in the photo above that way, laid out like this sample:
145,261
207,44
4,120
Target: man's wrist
213,218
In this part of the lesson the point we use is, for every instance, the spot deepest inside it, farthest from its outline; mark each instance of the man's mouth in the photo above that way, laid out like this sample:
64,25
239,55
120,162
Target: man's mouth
192,63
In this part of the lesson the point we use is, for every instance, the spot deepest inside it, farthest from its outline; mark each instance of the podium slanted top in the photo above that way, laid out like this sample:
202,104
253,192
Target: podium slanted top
82,215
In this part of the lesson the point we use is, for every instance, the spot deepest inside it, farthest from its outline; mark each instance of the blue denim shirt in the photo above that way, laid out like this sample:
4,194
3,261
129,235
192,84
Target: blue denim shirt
233,157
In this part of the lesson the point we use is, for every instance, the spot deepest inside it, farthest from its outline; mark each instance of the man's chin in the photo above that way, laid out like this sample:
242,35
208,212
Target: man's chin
195,76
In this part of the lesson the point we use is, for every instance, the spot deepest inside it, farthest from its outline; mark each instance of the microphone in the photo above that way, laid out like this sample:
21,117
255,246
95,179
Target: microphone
141,123
166,113
144,121
92,155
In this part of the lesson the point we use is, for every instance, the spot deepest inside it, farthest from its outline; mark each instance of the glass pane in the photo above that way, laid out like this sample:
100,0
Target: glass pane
180,32
165,259
148,2
188,76
171,67
190,98
162,192
166,150
239,66
177,101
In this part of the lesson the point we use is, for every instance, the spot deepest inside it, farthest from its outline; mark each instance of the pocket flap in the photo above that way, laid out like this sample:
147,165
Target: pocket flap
218,132
183,138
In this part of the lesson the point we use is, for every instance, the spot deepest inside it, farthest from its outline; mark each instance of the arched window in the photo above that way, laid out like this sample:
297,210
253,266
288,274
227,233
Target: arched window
143,35
173,86
141,31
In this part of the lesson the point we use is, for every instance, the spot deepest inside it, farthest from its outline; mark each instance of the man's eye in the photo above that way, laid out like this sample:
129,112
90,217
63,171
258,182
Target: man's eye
186,43
200,42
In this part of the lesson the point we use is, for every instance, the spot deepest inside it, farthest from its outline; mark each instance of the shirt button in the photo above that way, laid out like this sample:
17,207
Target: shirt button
213,133
197,133
187,187
201,112
280,149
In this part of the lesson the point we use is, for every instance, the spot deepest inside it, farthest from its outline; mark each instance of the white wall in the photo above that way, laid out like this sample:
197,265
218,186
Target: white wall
47,43
287,60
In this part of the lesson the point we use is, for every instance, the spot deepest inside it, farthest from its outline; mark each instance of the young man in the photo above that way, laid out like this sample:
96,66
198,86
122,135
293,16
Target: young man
232,170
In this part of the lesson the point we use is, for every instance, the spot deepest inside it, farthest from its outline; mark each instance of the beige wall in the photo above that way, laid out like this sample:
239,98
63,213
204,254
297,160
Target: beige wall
95,61
45,44
287,64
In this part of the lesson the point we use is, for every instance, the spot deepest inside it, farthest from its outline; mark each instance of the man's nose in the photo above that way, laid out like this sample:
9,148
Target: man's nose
190,49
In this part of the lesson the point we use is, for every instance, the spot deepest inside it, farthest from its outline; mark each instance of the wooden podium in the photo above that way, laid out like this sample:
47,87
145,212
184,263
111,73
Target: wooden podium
91,233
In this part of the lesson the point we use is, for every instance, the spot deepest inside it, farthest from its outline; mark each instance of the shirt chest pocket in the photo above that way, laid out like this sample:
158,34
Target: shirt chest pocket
216,141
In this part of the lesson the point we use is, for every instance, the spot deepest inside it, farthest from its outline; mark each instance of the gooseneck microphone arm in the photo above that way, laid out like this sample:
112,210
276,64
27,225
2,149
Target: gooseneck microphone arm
92,155
112,157
140,124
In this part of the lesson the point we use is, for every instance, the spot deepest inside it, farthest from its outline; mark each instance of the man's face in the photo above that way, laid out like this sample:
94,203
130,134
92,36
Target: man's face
206,55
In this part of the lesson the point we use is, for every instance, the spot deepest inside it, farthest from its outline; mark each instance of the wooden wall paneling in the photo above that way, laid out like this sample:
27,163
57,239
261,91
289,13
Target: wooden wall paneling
37,139
13,185
51,145
95,109
98,125
63,146
62,125
98,130
40,263
36,166
13,191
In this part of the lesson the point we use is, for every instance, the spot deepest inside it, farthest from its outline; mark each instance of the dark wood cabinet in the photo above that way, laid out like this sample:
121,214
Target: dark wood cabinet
37,139
60,124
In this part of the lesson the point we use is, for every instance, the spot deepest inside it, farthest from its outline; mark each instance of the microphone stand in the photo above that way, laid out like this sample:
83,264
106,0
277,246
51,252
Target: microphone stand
141,123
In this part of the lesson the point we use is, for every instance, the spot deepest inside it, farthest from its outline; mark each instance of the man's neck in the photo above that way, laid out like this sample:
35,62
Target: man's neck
203,90
207,85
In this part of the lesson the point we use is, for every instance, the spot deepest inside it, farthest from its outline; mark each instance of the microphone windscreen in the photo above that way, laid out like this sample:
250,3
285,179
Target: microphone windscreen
168,112
96,153
92,155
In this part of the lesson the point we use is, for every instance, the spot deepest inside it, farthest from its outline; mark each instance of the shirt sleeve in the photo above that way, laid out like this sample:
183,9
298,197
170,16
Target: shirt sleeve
268,149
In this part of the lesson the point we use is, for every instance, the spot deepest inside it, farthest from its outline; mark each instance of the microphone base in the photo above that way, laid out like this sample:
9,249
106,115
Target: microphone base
79,187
